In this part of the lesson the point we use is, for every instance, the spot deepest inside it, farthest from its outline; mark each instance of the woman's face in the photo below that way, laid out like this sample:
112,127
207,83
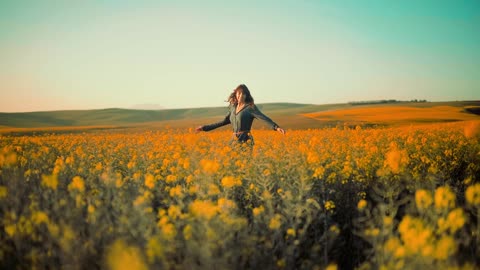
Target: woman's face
240,97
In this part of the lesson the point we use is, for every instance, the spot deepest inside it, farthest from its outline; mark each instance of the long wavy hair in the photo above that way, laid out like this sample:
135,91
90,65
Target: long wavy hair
232,99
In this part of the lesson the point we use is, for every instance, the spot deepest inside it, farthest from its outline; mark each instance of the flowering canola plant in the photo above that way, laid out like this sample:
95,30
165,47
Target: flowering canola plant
180,200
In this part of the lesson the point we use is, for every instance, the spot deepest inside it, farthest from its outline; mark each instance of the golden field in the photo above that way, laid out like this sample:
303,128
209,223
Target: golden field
334,198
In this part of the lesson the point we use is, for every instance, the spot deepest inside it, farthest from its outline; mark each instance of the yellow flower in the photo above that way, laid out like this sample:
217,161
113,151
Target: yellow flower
361,204
213,189
149,181
329,205
392,244
77,184
399,252
332,266
10,229
414,234
319,172
187,232
230,181
445,248
396,160
473,195
3,192
423,199
171,178
455,219
99,166
209,166
226,204
123,257
372,232
176,191
334,229
39,217
174,211
275,222
387,221
203,209
291,232
168,231
312,157
444,198
258,210
50,181
154,249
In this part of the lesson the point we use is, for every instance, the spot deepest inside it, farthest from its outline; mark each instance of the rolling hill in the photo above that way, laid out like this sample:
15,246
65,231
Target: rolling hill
288,115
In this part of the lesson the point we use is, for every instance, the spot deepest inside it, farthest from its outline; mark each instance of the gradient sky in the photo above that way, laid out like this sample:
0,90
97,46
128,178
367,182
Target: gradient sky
59,55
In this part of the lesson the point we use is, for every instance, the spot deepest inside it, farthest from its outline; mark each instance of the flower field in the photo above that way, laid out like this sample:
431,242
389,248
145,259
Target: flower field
383,198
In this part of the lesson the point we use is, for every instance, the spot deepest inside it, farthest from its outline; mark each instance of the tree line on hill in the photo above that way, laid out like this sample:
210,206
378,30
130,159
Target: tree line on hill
384,101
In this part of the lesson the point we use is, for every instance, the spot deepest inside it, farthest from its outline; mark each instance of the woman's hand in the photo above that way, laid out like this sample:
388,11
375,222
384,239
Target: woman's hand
198,129
281,130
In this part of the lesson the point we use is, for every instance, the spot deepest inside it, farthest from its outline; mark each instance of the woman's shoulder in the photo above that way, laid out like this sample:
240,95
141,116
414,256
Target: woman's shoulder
253,107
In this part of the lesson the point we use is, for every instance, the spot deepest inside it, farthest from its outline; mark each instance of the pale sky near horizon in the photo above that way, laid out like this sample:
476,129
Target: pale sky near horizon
61,55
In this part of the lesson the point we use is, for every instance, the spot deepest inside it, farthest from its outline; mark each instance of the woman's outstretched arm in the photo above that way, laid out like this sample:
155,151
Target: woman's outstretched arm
224,122
259,115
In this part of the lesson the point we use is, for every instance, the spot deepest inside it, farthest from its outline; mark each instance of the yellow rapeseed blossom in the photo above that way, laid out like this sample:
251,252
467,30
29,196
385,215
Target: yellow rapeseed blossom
415,234
39,217
203,209
213,189
50,181
120,256
361,204
392,244
3,192
445,248
332,266
329,205
154,249
77,184
174,211
396,160
444,198
187,232
455,220
258,210
423,199
176,191
209,166
226,205
149,181
230,181
275,222
10,229
168,231
473,195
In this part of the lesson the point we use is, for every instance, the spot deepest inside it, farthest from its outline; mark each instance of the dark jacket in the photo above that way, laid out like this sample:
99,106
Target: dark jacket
241,121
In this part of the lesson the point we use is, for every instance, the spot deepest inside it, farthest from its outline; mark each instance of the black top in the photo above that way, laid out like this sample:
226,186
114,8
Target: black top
241,121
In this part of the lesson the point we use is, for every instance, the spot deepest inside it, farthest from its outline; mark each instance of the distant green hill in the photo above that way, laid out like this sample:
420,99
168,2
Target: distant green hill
291,115
115,116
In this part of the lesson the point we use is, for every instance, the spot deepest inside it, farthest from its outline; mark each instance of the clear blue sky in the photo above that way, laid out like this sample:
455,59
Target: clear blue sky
184,54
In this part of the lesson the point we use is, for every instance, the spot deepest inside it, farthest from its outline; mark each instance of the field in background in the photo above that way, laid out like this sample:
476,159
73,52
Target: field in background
396,115
289,116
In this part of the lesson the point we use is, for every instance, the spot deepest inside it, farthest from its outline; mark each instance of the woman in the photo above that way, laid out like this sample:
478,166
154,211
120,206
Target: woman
241,113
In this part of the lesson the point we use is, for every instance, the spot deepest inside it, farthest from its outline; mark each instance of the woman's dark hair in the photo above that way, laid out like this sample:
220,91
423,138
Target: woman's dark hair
248,97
